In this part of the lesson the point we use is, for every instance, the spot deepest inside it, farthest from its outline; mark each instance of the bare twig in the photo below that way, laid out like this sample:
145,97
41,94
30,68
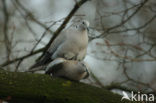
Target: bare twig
22,57
137,28
29,14
6,38
128,18
45,34
110,30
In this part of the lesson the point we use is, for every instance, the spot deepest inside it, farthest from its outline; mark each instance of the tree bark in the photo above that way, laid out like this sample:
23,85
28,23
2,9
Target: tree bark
39,88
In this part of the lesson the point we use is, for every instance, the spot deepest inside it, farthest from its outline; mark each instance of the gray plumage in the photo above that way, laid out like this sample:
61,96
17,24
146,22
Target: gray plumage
69,69
71,44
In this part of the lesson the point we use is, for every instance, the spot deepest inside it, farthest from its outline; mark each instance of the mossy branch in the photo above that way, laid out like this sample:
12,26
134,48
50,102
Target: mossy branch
39,88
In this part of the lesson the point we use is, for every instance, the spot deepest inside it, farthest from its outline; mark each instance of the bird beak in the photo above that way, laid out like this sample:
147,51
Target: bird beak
87,75
88,29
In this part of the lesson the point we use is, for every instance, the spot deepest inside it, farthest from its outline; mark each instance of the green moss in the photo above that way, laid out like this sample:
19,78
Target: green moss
38,88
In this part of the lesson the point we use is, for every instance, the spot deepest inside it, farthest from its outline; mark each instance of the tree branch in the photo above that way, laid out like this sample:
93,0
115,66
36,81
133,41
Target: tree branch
21,58
38,88
5,29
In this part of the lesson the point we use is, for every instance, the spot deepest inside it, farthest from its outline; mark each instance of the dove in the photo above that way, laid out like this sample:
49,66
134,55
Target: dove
69,69
71,44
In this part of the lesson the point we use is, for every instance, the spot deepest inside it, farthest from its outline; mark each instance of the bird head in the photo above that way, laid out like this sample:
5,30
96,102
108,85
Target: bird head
86,69
84,25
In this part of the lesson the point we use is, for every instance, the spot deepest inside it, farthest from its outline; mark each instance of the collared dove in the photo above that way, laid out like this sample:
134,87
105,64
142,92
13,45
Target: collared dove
69,69
71,44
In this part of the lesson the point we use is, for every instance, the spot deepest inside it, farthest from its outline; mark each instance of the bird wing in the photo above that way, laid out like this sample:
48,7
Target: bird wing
65,36
57,42
47,57
54,69
67,48
55,66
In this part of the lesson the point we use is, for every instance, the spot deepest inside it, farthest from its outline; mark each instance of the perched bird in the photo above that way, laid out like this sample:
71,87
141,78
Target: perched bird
69,69
71,44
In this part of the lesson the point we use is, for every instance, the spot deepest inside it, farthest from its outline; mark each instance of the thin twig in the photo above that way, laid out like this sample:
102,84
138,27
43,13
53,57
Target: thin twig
6,22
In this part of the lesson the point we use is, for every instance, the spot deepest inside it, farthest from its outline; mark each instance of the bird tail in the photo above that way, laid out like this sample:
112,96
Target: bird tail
44,60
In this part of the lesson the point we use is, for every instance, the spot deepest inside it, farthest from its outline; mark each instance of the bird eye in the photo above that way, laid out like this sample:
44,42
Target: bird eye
83,22
83,65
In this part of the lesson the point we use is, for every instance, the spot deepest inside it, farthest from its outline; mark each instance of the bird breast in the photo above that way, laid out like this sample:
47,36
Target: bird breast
79,39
